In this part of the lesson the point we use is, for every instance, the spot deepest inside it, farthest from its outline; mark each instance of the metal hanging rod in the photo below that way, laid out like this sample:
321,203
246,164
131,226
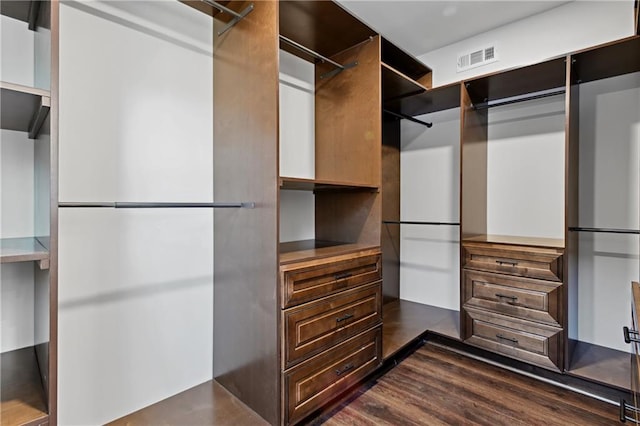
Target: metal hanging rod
409,222
486,105
313,53
407,117
151,205
605,230
237,16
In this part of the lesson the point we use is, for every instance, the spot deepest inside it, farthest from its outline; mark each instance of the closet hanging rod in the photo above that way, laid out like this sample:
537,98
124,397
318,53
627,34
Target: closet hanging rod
407,117
237,16
410,222
152,205
486,105
312,53
605,230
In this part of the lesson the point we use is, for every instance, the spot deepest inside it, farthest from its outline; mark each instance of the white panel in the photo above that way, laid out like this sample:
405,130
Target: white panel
16,185
297,117
17,47
525,162
430,265
135,120
297,215
609,177
136,309
16,306
430,191
539,37
42,61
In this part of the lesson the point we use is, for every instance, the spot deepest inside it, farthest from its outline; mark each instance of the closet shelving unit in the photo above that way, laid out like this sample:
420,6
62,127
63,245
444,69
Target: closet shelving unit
29,374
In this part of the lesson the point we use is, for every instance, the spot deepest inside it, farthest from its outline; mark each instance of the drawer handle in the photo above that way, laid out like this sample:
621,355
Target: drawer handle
343,275
504,296
628,333
512,340
344,317
341,371
506,262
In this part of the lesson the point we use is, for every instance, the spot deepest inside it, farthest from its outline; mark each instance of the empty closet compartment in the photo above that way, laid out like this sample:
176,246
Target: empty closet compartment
604,233
27,297
421,225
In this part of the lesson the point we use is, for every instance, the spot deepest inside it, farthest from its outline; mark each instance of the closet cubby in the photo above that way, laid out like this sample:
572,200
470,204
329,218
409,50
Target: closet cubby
28,252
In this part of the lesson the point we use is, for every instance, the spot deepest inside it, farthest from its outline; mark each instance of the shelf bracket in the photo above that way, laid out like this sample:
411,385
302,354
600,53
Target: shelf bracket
39,117
34,14
237,17
43,264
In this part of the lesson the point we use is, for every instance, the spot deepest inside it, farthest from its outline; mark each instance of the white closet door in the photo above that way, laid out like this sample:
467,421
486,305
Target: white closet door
135,111
135,308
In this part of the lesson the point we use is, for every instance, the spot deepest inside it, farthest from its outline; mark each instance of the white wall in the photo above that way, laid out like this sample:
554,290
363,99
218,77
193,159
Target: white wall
609,179
17,46
135,286
574,26
430,191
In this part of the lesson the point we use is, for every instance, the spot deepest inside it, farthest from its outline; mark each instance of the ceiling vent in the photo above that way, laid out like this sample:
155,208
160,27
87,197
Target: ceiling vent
476,58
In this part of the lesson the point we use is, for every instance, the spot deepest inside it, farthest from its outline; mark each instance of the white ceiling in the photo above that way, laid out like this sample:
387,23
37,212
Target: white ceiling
420,26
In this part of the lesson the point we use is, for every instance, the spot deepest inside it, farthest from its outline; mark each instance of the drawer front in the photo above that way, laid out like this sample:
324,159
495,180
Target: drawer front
524,340
525,298
315,382
315,326
306,281
531,262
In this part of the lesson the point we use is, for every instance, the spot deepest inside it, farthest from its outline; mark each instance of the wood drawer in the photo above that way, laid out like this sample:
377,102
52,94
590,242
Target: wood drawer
306,281
315,326
525,261
524,340
315,382
525,298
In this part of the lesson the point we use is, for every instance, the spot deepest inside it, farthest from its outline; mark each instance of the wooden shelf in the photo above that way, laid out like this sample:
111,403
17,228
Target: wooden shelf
206,404
23,397
398,59
520,81
607,60
404,321
23,250
601,365
298,251
439,99
396,85
516,240
315,185
23,108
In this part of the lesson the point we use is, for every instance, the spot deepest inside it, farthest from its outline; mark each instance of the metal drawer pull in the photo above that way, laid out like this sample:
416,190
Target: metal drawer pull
504,296
343,275
344,317
624,407
344,369
628,333
500,336
506,262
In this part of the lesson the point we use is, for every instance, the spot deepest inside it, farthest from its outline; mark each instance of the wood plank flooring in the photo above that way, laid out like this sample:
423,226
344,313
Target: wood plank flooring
434,386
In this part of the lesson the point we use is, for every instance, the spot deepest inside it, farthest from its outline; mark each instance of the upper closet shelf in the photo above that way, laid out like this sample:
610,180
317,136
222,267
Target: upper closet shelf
397,85
23,10
608,60
23,250
23,108
432,100
323,185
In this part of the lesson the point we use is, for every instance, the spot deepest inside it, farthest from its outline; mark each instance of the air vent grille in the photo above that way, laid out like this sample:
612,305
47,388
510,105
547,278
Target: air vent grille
476,58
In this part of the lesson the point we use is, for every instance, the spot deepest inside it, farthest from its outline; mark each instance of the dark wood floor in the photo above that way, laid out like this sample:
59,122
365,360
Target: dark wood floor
434,386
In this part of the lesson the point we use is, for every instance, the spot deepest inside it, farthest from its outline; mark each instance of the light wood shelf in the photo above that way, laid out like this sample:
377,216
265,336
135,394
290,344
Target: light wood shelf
23,397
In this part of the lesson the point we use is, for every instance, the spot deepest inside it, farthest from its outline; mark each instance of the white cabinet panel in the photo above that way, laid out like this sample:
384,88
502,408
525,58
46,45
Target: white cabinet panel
16,306
16,185
136,119
136,308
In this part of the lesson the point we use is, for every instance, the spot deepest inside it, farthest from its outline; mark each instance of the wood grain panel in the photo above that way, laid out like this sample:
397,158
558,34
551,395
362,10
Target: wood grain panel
326,376
532,262
438,99
348,109
316,326
246,330
402,61
607,60
473,180
352,218
390,236
397,85
524,298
